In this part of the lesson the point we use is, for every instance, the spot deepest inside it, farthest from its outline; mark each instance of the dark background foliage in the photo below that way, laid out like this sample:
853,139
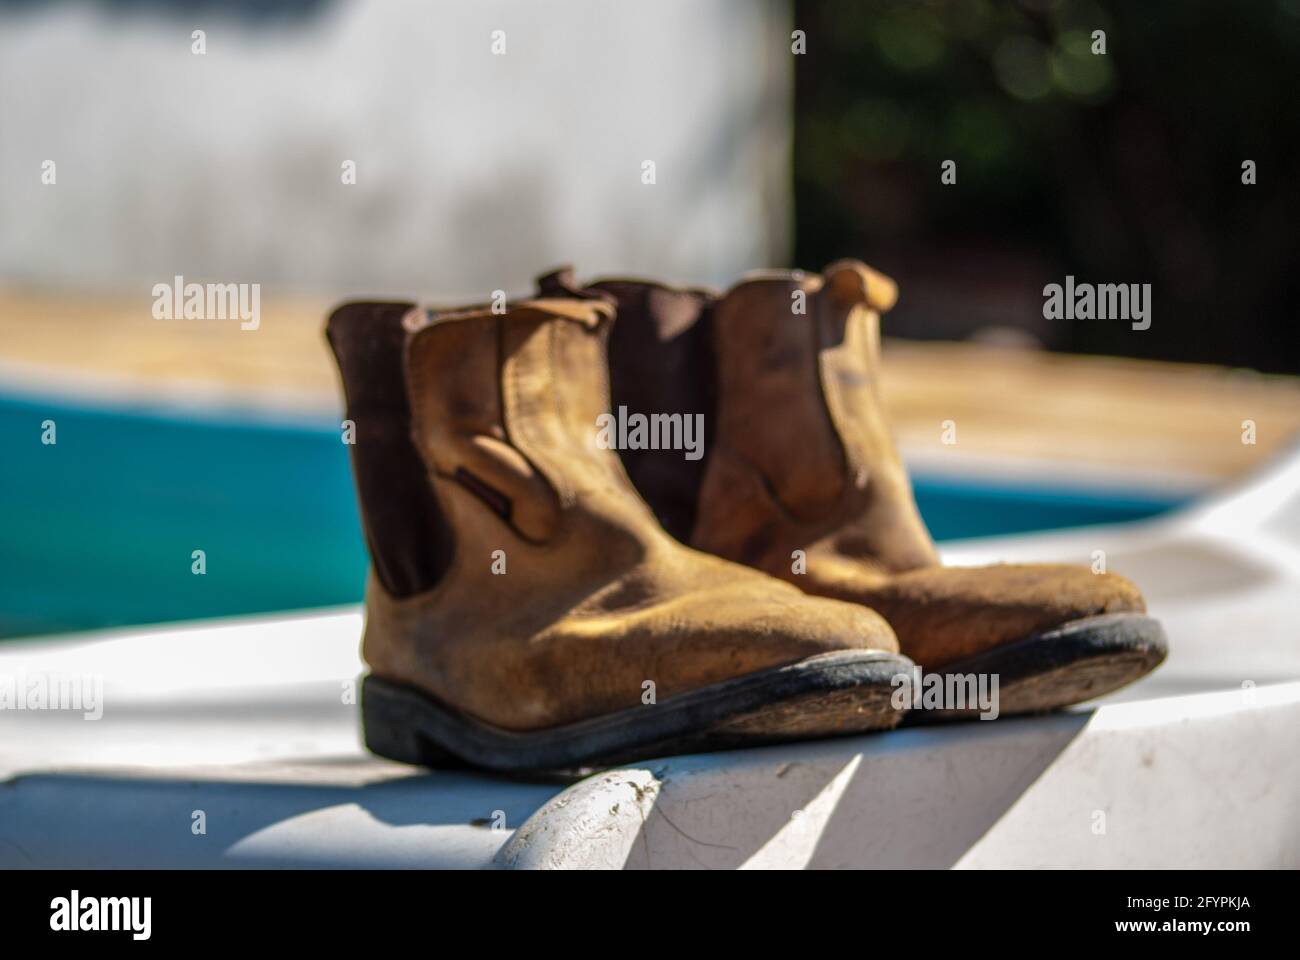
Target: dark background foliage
1118,168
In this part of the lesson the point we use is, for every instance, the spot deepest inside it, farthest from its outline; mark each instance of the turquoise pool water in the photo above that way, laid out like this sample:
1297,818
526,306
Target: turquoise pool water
100,527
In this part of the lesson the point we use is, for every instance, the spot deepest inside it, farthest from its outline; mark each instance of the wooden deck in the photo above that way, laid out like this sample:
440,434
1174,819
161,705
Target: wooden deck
1068,411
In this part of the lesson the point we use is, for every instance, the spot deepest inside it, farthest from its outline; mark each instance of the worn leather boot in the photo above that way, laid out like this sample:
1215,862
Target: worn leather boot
525,610
801,480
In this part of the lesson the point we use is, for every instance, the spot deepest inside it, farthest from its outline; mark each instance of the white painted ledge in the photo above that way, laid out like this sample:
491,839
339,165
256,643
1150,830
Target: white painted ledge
1199,781
246,720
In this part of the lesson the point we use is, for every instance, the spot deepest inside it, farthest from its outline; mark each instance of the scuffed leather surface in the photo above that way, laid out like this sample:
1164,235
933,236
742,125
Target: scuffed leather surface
942,614
597,598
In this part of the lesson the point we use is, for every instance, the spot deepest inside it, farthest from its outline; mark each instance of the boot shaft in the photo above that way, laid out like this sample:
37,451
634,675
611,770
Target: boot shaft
798,359
799,448
509,407
801,416
502,407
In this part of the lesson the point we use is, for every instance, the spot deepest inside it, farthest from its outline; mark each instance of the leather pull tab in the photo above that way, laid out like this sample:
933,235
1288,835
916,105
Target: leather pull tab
530,503
559,282
853,282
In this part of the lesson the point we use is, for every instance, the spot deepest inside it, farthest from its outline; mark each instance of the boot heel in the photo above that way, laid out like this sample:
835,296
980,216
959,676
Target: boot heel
389,727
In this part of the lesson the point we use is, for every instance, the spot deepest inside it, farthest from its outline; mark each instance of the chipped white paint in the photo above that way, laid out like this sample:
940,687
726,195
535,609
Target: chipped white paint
593,825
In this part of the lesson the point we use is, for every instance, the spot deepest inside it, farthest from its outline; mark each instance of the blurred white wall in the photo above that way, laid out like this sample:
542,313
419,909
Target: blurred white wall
474,170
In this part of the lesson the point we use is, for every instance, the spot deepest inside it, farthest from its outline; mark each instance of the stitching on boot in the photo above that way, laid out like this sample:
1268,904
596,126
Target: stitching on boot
857,472
519,432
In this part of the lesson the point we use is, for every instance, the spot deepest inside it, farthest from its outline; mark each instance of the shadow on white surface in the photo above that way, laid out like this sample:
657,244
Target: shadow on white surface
252,722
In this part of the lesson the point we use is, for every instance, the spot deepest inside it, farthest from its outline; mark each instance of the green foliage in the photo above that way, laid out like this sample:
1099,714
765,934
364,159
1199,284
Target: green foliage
1122,166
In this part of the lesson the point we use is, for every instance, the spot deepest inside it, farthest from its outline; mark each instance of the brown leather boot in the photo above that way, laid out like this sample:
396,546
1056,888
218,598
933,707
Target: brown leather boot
525,610
801,479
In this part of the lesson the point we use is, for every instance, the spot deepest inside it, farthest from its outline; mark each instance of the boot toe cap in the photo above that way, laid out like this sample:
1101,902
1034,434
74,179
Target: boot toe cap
942,614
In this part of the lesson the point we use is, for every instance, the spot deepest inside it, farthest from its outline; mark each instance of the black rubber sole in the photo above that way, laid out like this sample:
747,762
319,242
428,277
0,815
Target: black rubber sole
833,694
1077,661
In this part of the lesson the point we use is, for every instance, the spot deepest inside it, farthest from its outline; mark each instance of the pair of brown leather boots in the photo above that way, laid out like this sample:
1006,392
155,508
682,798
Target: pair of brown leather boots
540,599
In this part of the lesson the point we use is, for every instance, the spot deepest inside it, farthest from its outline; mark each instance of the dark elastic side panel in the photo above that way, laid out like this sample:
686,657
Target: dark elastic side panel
661,361
409,539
